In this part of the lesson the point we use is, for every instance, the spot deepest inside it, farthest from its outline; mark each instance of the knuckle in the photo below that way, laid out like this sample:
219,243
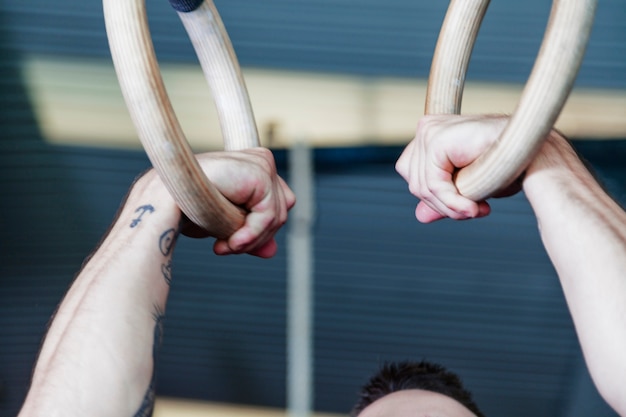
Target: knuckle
437,188
415,189
266,221
266,160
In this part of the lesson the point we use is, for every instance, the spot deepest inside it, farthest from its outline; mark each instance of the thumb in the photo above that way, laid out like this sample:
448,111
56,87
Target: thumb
425,214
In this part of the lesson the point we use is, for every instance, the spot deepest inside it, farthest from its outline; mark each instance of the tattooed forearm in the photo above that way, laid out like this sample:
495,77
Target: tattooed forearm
147,405
166,243
141,210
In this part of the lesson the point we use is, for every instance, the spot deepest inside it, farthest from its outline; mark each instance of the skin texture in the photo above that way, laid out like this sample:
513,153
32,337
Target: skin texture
98,356
582,228
416,403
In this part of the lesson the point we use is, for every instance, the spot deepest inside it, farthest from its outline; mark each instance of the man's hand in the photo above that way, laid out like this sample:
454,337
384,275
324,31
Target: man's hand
442,145
248,178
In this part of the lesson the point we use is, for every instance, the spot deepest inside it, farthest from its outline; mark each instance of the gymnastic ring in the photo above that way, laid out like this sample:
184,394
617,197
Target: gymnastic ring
153,116
542,99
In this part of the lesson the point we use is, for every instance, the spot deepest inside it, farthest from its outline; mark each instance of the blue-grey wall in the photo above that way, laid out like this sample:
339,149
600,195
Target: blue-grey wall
480,297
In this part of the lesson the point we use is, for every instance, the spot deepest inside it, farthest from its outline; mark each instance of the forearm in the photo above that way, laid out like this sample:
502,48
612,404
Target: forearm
584,232
97,358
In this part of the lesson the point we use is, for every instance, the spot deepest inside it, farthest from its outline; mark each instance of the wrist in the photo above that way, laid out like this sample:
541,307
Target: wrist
558,175
145,213
149,190
556,162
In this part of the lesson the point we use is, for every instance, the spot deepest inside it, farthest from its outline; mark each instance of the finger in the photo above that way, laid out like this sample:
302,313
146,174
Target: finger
253,234
425,214
220,247
429,209
438,187
284,201
403,164
267,250
422,188
445,199
483,209
262,223
451,204
290,197
260,227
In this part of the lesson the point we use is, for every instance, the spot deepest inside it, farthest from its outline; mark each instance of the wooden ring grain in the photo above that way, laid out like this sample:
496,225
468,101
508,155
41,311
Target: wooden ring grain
153,116
542,99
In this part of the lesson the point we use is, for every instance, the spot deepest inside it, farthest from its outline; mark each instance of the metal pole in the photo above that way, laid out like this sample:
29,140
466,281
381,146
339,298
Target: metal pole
300,283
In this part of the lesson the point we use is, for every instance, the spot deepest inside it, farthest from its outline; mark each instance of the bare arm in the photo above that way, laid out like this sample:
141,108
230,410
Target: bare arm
97,358
584,233
582,228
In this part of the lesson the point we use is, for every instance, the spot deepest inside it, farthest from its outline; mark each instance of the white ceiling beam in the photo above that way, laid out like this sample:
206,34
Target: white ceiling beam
79,102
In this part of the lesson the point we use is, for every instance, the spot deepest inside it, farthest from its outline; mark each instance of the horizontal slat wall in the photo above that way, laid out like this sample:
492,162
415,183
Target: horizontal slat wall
391,38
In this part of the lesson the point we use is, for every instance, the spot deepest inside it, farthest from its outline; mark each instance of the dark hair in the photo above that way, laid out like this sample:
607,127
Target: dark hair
405,375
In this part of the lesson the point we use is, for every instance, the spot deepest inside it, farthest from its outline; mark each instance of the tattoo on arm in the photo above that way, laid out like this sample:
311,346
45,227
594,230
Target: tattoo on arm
167,241
141,210
166,246
166,269
147,405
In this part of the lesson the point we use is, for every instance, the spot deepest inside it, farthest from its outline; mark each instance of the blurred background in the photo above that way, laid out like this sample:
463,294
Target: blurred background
347,78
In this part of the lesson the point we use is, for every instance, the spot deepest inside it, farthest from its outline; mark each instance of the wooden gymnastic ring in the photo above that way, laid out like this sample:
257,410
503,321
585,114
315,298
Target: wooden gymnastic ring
542,99
153,116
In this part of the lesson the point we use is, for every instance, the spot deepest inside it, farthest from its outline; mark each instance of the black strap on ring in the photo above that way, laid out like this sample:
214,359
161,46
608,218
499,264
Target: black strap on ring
185,6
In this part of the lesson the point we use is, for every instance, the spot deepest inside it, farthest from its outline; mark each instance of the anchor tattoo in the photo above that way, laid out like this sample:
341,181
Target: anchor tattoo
143,209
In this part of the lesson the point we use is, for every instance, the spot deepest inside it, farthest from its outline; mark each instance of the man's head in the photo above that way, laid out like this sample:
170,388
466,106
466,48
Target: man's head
415,389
